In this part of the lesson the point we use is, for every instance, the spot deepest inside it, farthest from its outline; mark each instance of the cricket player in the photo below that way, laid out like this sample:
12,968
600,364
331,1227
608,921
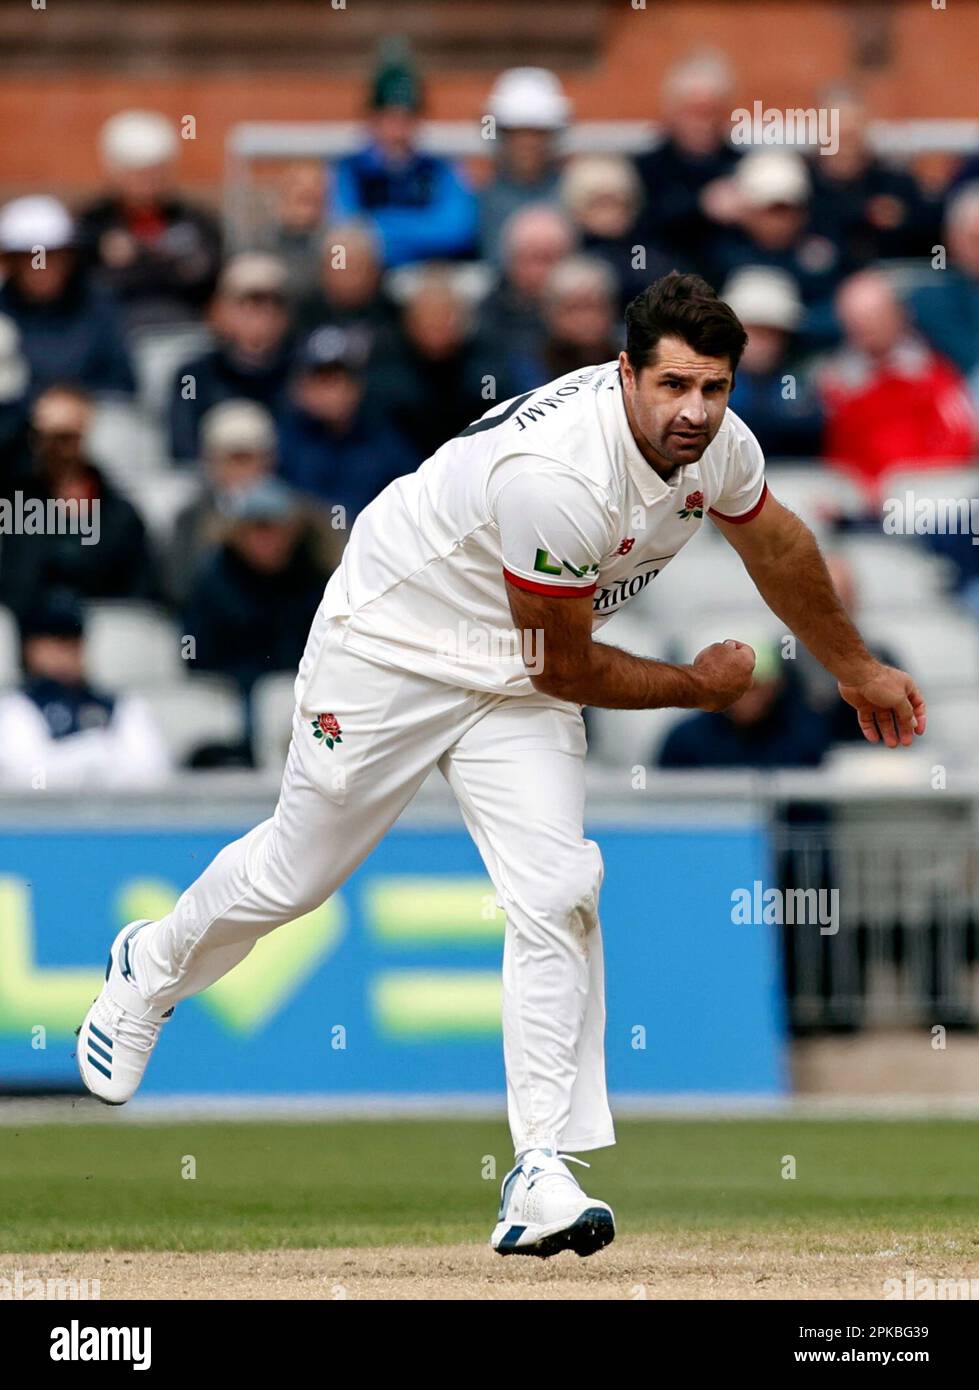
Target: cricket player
531,527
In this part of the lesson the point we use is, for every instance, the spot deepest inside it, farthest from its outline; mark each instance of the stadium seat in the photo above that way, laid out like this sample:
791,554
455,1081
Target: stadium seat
701,578
957,480
953,723
815,492
273,701
9,649
157,356
939,645
127,445
630,737
162,498
892,572
202,709
131,646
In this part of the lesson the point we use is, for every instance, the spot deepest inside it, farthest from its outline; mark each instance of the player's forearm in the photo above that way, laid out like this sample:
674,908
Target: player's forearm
796,585
610,678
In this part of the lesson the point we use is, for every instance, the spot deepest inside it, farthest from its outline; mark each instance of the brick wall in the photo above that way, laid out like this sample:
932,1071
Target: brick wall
912,60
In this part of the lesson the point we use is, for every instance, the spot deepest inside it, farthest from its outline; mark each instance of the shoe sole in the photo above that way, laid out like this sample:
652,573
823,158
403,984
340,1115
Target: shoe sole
590,1232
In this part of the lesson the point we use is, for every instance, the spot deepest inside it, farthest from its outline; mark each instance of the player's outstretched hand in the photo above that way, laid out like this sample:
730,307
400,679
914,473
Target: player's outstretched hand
890,707
724,671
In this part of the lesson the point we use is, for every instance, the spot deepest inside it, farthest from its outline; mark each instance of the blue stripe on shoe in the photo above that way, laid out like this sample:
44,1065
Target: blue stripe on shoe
99,1067
100,1051
509,1241
100,1035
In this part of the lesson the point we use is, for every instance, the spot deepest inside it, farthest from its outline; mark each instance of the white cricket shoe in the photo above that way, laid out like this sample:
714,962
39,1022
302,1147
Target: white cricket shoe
543,1210
120,1029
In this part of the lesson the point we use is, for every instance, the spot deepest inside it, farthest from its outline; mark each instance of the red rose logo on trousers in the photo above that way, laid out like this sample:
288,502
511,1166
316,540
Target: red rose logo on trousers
326,728
693,506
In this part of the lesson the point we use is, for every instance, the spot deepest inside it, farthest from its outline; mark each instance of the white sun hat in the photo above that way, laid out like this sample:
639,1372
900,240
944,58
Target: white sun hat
36,220
138,140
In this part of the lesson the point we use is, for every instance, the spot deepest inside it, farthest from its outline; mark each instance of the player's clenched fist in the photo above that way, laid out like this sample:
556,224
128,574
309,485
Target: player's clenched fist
723,673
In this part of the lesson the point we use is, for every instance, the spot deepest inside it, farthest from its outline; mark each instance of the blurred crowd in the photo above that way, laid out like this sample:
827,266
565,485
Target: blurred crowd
387,300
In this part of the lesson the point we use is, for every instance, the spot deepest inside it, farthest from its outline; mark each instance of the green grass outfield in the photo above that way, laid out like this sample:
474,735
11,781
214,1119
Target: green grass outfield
263,1185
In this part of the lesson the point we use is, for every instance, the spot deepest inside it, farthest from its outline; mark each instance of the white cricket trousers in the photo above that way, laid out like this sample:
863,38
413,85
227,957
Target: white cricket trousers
516,766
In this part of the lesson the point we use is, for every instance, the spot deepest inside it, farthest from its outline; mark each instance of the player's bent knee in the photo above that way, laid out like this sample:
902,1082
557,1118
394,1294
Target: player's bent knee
565,892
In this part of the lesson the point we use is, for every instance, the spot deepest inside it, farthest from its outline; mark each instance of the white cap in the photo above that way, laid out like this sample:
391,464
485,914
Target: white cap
764,296
14,371
237,427
36,220
138,140
529,98
765,177
253,272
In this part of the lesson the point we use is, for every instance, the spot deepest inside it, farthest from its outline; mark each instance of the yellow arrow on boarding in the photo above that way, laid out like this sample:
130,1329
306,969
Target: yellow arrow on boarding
243,1000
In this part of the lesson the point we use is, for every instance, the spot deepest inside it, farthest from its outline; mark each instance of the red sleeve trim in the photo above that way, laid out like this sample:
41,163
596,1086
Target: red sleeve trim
745,516
558,590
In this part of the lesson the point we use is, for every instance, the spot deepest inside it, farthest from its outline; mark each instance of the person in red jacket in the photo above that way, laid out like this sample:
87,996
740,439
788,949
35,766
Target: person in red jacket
889,398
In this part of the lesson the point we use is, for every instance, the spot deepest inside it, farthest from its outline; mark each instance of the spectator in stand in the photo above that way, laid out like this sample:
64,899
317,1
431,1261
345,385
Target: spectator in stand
772,393
348,293
685,178
255,596
252,358
70,327
332,444
238,449
581,316
533,242
438,376
106,555
890,399
420,206
530,111
294,231
59,733
158,252
769,726
870,208
947,311
15,381
773,190
602,196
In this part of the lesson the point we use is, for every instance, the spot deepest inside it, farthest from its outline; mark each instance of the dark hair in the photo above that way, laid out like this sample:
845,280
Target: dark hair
682,306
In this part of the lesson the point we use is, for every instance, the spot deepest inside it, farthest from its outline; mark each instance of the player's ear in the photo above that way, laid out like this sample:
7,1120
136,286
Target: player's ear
626,370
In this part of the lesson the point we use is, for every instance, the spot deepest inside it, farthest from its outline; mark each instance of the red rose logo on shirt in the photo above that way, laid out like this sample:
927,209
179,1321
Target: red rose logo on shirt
326,728
626,545
693,506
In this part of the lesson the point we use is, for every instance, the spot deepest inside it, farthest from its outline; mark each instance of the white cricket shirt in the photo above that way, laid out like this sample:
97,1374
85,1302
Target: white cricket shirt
548,490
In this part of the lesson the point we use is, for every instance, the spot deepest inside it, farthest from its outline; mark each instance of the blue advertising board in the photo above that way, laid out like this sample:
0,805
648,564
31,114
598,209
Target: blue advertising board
393,987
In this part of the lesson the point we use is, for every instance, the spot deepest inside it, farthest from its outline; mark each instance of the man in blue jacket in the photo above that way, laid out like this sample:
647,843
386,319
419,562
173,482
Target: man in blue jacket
420,207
